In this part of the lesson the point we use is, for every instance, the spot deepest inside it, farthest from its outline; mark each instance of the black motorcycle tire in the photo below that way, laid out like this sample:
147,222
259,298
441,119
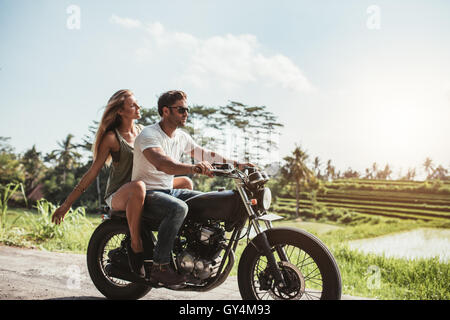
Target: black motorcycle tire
331,277
105,231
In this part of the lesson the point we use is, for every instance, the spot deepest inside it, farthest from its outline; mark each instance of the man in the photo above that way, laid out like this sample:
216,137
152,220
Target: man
157,151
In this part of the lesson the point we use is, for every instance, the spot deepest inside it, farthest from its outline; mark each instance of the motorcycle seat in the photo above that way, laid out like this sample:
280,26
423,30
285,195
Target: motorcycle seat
153,224
117,214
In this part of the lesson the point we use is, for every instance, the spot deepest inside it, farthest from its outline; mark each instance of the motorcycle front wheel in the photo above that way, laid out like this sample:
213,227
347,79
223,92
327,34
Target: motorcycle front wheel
308,268
109,236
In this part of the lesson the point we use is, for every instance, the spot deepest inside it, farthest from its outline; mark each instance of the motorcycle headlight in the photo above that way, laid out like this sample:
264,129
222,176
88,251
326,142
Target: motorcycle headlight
265,198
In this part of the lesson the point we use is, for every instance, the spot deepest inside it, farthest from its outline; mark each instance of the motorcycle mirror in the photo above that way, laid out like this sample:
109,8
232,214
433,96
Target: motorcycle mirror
256,178
265,176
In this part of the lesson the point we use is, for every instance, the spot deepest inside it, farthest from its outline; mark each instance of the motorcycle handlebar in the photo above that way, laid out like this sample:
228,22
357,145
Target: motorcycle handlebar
220,169
222,166
227,170
220,173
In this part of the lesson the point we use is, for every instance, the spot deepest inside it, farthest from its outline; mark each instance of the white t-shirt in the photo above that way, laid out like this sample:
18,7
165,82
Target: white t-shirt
153,137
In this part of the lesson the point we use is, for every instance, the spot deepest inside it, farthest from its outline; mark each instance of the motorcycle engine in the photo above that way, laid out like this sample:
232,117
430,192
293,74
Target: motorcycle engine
201,256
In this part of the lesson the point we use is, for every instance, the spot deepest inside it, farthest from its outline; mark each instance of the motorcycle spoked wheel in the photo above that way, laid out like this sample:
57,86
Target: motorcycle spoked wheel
311,272
109,236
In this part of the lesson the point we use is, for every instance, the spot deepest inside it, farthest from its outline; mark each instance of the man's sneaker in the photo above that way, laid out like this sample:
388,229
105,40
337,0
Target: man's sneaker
163,273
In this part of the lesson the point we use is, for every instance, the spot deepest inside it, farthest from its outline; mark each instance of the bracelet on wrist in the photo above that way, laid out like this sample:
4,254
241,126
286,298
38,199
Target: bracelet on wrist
77,187
66,206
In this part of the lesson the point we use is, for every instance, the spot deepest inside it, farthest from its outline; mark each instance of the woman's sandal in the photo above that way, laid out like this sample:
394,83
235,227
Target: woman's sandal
135,261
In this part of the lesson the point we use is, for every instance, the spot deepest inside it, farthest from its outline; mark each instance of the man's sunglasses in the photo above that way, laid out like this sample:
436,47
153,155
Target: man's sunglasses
181,110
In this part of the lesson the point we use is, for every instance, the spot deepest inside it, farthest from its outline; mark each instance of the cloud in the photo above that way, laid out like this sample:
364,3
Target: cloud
228,61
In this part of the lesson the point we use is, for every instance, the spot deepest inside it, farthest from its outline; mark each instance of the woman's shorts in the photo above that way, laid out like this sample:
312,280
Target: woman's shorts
109,200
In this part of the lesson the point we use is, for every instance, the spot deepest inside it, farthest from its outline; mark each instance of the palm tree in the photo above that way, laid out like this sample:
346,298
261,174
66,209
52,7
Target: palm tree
410,174
4,145
296,170
374,170
368,174
66,157
330,170
317,165
33,168
385,173
351,173
440,173
429,167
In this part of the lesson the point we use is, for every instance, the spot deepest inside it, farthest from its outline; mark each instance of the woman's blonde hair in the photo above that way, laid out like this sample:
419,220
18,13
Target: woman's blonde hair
110,119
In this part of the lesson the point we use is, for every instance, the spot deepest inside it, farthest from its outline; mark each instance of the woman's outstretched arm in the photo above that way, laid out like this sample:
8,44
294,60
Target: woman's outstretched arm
86,180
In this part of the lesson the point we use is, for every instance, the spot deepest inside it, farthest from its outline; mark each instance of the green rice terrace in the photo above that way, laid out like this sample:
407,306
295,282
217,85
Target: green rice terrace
352,200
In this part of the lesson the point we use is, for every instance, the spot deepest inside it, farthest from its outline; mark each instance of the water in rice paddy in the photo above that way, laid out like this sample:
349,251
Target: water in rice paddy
420,243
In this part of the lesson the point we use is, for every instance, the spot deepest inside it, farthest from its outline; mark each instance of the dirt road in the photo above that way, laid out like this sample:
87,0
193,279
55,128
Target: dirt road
34,274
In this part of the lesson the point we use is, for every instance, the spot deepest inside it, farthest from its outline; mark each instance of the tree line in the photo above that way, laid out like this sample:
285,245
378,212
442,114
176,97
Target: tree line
248,133
304,174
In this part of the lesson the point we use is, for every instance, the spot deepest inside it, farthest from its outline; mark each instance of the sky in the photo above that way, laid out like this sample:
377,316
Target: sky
356,82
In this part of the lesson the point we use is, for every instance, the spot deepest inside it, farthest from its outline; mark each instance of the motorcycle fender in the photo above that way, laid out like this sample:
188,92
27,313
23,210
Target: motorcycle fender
270,217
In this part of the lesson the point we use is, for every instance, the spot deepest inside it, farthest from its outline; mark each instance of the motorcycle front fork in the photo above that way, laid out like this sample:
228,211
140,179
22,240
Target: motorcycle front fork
262,243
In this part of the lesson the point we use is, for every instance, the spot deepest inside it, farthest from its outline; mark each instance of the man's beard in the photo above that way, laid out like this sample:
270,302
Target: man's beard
181,124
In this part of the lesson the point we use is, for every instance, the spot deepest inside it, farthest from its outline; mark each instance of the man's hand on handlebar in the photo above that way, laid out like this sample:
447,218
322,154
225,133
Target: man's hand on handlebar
242,166
204,167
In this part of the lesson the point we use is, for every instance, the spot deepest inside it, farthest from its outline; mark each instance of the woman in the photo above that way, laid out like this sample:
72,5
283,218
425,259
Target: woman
114,143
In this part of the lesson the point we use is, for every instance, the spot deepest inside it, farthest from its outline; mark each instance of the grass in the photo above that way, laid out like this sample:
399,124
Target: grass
399,278
33,228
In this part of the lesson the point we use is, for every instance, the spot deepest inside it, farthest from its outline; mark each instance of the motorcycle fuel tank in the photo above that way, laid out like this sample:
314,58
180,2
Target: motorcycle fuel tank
217,205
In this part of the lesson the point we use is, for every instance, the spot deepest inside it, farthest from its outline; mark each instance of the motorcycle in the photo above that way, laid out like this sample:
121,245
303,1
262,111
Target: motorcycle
278,263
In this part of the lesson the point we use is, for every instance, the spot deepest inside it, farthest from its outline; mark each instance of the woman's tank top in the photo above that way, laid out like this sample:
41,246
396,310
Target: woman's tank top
121,166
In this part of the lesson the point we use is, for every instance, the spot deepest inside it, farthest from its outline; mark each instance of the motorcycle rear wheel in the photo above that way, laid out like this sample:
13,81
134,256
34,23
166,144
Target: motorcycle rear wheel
310,271
106,237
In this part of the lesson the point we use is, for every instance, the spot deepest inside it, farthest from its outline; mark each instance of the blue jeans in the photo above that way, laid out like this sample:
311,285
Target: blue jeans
170,208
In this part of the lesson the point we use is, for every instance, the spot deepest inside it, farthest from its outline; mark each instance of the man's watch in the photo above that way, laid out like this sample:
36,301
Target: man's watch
196,169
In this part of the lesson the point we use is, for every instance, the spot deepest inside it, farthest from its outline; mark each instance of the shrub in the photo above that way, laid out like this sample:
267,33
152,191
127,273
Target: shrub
6,193
42,227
